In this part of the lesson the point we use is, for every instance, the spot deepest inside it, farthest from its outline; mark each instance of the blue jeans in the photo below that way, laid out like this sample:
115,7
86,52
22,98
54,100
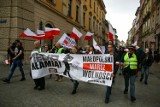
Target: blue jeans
130,78
16,63
145,73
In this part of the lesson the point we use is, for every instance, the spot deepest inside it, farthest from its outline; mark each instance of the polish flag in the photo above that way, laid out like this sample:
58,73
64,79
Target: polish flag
111,32
88,36
51,31
28,33
76,34
95,45
41,35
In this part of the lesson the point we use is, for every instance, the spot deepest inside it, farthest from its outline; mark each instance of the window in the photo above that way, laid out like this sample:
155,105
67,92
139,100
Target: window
94,6
84,17
69,7
153,22
94,25
90,3
90,23
97,10
77,13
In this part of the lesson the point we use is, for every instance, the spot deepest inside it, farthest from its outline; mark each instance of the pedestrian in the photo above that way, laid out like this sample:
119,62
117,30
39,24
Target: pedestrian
146,64
74,50
140,56
111,51
130,63
120,54
40,82
10,52
17,61
91,50
47,50
59,50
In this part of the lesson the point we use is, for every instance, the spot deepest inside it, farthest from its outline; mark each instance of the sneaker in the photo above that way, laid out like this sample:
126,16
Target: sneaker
6,80
107,100
125,92
74,92
133,99
145,83
22,79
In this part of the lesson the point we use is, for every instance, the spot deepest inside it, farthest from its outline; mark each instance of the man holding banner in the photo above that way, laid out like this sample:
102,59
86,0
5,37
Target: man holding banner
75,82
39,82
59,50
115,69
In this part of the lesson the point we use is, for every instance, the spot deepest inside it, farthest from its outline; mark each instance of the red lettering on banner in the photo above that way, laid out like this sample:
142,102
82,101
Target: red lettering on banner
98,66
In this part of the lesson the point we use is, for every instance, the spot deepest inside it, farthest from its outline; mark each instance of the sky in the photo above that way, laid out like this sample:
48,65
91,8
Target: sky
121,14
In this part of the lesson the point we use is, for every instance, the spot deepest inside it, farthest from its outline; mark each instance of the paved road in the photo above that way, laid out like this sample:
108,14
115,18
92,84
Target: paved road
58,94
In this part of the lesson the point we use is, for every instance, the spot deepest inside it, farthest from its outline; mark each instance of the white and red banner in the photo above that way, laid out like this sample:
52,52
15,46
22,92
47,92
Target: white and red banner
76,34
96,69
66,41
88,36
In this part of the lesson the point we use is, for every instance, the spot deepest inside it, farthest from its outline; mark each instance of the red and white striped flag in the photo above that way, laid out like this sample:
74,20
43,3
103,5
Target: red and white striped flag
28,33
88,36
41,35
95,45
111,32
51,31
76,34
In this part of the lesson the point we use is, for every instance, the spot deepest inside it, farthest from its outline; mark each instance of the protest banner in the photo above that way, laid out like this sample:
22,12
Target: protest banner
96,69
66,41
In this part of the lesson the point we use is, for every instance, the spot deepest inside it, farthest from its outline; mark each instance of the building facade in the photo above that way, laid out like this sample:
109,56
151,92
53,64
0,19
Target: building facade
17,15
147,29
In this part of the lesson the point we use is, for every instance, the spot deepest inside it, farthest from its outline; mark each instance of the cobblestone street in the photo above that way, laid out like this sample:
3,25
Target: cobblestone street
58,94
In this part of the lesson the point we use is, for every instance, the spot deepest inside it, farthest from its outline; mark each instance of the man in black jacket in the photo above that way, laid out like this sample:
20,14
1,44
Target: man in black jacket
111,51
146,63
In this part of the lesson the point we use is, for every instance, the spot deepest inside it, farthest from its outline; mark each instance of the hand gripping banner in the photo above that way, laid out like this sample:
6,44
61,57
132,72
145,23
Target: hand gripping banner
96,69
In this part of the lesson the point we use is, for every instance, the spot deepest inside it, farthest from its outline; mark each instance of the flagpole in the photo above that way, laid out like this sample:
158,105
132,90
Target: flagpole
40,27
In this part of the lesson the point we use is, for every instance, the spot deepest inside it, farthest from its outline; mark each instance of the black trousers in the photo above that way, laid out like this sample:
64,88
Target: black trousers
75,84
40,82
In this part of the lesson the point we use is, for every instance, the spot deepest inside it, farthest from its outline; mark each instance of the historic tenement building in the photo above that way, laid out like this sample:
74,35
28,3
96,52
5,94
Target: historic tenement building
146,27
17,15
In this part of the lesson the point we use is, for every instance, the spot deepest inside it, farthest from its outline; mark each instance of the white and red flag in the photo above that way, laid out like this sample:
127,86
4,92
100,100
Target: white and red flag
76,34
28,33
111,32
41,35
88,36
51,31
95,45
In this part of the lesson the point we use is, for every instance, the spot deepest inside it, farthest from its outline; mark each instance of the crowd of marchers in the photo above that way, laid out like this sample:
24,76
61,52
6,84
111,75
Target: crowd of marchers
128,61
